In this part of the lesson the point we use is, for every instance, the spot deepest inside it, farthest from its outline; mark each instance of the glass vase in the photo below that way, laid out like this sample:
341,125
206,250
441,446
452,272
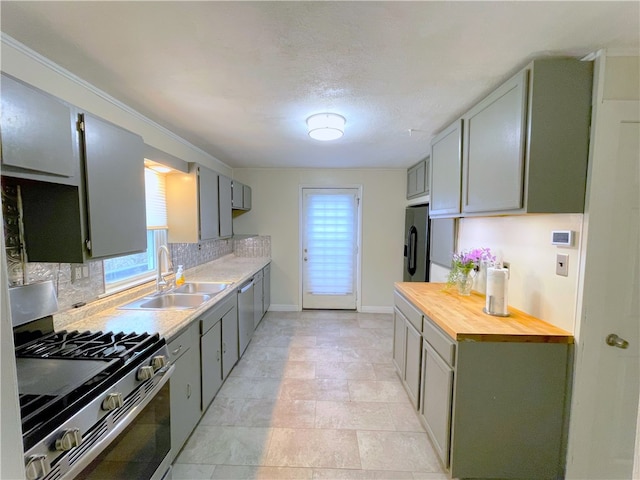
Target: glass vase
464,283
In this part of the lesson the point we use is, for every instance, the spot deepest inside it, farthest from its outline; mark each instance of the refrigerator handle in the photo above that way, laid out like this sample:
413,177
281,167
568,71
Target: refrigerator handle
413,245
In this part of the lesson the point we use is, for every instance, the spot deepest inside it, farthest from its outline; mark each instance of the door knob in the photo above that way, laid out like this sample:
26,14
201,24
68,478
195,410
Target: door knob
614,340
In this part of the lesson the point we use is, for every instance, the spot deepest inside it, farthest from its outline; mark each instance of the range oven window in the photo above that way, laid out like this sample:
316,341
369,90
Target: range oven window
141,449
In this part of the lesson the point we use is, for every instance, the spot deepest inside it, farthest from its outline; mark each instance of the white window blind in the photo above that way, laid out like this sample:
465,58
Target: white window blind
156,203
330,243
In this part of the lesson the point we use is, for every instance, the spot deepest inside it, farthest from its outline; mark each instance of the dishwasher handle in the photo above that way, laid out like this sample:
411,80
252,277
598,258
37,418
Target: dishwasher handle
246,287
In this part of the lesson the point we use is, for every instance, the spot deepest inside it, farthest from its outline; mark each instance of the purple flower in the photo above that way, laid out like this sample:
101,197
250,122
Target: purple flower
467,260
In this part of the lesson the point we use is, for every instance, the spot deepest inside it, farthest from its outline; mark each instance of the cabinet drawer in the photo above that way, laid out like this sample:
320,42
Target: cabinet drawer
440,342
412,313
180,344
215,313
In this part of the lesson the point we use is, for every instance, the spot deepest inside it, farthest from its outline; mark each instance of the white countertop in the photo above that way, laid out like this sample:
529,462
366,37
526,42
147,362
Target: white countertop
104,315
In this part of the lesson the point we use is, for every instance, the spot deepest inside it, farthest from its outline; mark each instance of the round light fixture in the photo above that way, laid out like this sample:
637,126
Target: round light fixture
326,126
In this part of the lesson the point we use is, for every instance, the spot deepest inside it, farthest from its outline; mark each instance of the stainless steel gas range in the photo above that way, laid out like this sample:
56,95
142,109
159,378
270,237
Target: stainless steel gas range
93,404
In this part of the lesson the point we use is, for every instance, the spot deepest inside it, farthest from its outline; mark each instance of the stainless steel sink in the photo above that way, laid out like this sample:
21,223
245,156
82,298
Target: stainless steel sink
168,301
202,287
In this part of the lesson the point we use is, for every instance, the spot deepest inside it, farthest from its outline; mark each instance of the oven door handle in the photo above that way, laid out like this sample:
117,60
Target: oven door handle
165,374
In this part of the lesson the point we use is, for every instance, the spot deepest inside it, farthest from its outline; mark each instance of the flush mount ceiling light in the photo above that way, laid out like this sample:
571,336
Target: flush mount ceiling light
326,126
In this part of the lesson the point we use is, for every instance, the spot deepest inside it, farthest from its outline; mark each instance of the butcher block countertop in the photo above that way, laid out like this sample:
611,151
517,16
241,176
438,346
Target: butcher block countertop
462,317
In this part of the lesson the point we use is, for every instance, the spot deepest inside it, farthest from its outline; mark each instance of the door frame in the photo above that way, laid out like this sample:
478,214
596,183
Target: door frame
582,405
358,239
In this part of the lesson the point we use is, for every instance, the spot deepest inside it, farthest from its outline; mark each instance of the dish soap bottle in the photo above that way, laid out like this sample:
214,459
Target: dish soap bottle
179,276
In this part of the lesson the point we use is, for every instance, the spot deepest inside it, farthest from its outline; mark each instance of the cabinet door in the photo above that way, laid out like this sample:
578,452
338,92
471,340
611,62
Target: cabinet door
416,180
266,289
114,165
399,334
38,135
224,204
237,194
413,352
446,164
436,400
185,398
229,341
246,197
258,295
493,153
211,363
443,241
208,203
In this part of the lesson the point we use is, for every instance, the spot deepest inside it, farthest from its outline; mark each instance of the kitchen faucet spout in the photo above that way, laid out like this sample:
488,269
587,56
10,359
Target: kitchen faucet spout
161,282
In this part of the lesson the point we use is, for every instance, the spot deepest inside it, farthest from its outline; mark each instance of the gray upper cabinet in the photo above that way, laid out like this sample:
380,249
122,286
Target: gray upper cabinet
208,203
446,165
114,166
225,208
241,196
246,197
417,179
102,217
493,151
192,205
38,135
526,144
443,241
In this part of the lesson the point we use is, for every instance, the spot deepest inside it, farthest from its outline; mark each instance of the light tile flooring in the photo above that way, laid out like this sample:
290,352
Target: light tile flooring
315,396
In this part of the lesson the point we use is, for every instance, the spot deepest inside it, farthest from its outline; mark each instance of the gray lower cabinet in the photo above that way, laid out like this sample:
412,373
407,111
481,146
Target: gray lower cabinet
214,347
446,168
258,298
224,206
492,409
399,341
407,346
525,147
185,387
266,289
436,400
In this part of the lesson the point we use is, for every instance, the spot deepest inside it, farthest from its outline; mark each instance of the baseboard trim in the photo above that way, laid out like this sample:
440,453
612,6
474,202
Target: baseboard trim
283,308
376,309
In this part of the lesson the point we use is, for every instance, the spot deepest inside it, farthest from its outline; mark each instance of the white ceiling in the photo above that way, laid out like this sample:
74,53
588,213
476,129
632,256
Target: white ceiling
238,79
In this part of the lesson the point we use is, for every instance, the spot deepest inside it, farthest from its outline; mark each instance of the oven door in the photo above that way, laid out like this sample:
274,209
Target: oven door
142,449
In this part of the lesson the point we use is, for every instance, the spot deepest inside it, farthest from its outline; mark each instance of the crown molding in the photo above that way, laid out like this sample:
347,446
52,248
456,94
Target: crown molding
13,43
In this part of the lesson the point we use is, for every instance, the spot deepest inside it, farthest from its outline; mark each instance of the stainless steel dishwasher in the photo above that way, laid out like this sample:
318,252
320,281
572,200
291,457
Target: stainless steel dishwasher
245,315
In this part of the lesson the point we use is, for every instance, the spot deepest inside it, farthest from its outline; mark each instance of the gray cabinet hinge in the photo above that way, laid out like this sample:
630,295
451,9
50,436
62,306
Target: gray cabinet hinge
81,125
87,242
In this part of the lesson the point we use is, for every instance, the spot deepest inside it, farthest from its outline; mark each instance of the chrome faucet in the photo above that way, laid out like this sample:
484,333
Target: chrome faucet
161,282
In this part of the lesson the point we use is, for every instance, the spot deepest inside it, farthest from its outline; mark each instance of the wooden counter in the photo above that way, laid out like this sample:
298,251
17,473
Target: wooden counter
462,317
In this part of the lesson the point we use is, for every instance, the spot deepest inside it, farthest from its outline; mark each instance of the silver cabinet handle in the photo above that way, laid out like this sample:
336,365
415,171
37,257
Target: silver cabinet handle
188,390
177,350
614,340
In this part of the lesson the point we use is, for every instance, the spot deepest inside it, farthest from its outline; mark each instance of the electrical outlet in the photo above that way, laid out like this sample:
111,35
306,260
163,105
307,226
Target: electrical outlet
562,264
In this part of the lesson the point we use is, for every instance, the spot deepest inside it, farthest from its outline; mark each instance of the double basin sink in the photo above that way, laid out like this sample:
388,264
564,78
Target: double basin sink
186,296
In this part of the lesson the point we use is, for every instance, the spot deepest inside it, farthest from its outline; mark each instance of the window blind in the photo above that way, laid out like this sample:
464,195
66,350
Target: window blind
156,203
330,243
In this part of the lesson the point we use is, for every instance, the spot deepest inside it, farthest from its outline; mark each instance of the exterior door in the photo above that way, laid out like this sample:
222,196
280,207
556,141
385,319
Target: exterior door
605,408
329,248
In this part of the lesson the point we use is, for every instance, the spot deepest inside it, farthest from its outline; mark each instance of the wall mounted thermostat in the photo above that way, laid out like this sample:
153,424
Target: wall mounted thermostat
562,237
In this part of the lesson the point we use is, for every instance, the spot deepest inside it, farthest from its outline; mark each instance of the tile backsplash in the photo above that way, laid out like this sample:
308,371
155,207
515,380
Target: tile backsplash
72,291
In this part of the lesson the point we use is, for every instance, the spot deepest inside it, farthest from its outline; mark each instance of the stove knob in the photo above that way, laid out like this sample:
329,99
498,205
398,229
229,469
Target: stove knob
113,401
158,362
69,439
37,467
145,373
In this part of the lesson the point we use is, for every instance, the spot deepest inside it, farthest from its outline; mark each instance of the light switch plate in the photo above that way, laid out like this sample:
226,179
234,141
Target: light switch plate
562,264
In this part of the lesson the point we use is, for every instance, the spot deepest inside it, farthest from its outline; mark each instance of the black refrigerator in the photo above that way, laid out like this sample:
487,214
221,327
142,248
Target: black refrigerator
416,244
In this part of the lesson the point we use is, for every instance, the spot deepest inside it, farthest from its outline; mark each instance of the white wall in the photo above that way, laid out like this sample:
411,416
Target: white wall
275,212
28,66
525,242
